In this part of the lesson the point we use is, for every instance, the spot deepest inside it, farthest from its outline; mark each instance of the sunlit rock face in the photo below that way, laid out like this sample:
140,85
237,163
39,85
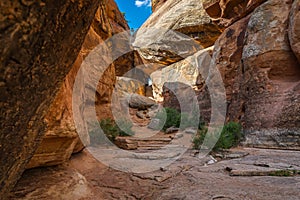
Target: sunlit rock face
61,138
185,71
156,4
157,44
226,57
256,56
40,42
127,85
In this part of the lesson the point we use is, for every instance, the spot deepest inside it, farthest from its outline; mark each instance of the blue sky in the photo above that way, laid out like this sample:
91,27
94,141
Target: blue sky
136,11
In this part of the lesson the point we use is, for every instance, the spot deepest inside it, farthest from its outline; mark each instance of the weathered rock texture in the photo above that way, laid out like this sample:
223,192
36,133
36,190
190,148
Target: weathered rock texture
52,183
227,57
226,12
186,17
125,85
185,71
272,78
155,4
127,62
294,28
140,102
186,178
260,71
40,41
61,138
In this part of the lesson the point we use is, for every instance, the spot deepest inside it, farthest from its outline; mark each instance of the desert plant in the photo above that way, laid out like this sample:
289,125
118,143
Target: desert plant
230,136
191,120
110,129
199,137
96,134
284,172
173,118
124,127
170,117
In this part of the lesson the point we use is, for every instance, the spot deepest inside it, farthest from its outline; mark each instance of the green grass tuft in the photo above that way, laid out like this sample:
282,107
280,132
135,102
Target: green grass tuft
230,136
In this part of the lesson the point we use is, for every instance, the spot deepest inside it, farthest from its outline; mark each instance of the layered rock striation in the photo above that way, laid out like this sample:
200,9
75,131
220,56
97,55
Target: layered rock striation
271,78
176,30
257,57
61,138
40,42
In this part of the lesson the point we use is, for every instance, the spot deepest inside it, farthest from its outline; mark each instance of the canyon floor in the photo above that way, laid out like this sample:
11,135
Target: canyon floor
239,173
245,173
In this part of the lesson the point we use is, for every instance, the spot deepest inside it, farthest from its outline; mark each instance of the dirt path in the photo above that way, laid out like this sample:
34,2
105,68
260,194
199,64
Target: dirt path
241,174
187,178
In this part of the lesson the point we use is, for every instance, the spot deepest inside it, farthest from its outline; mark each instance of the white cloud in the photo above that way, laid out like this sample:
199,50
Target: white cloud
139,3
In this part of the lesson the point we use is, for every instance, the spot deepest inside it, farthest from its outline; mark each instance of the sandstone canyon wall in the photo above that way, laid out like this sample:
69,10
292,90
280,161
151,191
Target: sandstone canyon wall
38,68
40,41
254,44
271,78
61,138
255,49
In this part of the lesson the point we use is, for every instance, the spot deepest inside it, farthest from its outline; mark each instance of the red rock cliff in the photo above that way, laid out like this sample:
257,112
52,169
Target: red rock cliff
40,41
256,55
61,138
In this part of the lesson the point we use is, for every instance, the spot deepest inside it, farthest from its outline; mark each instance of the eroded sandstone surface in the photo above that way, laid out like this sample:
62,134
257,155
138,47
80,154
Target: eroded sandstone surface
271,78
294,24
186,17
61,138
259,70
39,43
226,12
244,174
253,44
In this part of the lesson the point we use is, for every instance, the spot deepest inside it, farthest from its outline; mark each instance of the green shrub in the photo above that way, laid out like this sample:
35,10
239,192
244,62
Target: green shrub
284,172
191,121
199,137
111,130
170,116
124,127
174,118
230,136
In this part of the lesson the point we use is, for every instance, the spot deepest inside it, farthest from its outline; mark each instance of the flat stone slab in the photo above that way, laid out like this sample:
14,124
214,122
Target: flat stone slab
189,177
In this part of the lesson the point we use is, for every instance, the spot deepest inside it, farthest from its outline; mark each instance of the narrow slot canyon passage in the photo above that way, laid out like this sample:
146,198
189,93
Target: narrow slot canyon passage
150,99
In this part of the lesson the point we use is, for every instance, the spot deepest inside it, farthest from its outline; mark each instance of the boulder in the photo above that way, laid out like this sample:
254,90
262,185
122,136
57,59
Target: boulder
271,77
179,96
154,124
141,114
38,53
294,28
186,71
172,130
140,102
186,17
